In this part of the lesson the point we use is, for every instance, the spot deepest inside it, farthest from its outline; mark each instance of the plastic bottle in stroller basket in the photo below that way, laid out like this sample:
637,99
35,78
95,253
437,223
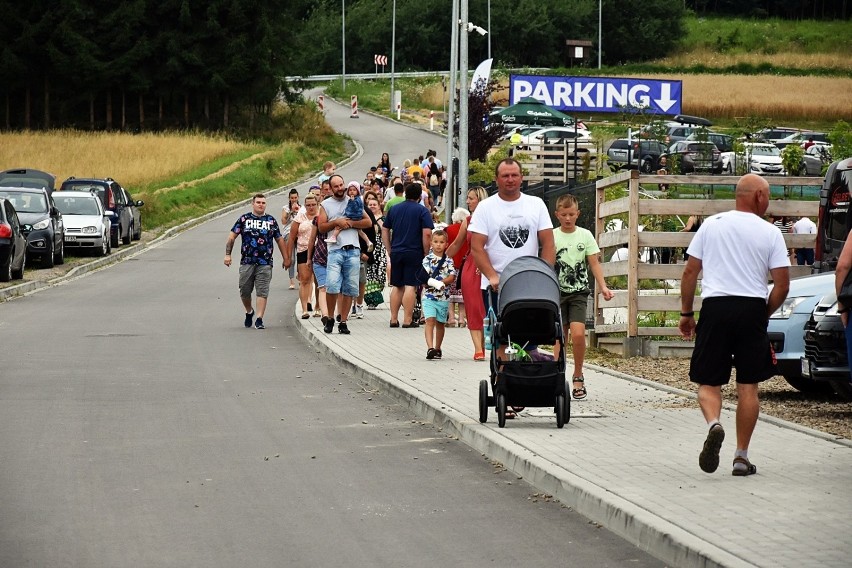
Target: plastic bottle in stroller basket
486,330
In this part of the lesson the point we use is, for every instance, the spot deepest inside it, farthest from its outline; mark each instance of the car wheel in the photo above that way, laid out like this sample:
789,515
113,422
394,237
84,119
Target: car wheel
104,250
729,169
808,386
18,274
59,258
126,240
647,166
113,240
6,270
47,259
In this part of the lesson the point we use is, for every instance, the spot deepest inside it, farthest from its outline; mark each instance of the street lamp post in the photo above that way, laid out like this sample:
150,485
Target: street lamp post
393,54
343,2
464,168
451,112
600,33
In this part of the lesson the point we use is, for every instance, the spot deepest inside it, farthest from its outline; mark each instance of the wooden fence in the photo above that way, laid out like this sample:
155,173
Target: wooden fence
635,205
559,162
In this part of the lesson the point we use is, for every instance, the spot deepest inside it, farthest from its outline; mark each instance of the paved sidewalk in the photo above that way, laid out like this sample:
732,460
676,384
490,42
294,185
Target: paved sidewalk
628,459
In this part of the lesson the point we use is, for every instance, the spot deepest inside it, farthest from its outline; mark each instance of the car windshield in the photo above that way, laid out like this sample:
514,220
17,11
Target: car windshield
765,151
77,205
26,202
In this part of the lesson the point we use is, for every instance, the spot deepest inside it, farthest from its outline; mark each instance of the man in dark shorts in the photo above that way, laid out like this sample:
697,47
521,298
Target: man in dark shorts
736,250
258,231
407,234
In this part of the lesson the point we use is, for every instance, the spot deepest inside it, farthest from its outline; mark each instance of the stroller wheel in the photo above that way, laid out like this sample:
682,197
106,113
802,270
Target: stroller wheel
560,411
483,401
501,410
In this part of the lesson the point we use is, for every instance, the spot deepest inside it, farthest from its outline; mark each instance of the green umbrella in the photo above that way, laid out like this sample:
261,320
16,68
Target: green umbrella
532,111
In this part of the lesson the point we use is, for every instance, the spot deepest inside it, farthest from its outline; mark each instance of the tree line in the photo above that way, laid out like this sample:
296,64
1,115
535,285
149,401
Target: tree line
141,64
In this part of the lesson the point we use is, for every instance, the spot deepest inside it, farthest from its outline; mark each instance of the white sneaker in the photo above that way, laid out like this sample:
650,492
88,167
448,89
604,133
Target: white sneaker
359,311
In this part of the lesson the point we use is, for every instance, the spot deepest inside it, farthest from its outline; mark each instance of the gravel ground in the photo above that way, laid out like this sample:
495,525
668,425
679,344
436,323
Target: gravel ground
820,412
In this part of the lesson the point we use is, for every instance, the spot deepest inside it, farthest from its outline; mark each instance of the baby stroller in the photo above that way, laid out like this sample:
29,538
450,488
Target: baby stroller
528,315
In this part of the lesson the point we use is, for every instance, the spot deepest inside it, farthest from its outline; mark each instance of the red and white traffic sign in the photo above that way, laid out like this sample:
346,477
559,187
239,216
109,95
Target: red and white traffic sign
380,59
354,105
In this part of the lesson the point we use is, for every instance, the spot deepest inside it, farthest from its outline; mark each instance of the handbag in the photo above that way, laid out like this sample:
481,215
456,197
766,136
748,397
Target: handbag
845,295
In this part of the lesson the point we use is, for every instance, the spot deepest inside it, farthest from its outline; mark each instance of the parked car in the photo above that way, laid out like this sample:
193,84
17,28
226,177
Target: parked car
801,138
773,134
678,128
825,357
112,199
136,225
556,135
622,154
815,159
28,177
692,157
87,224
763,159
723,142
42,223
13,243
787,327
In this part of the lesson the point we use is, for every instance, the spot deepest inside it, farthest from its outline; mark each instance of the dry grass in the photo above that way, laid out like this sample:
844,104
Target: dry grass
819,99
790,60
131,159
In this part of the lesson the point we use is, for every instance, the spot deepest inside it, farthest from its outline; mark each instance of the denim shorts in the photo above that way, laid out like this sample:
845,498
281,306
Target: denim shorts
319,273
343,270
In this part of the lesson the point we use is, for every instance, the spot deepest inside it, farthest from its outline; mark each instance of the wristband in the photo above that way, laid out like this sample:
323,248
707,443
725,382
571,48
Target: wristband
687,314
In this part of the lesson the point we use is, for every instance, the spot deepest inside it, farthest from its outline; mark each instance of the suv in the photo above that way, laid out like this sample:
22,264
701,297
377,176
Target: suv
773,134
112,198
695,157
834,218
825,348
41,222
87,224
622,154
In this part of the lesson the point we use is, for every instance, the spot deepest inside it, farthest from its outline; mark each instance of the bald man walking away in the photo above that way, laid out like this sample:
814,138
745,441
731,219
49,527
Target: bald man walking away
736,250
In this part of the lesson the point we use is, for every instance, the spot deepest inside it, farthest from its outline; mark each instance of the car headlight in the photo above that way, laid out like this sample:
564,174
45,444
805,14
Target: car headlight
42,225
90,230
786,309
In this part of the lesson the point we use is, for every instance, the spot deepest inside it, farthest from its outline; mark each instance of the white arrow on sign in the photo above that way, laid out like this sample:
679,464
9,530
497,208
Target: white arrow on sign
665,102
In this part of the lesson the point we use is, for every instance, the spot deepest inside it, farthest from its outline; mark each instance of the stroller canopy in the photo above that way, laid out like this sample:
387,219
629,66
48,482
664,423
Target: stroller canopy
528,278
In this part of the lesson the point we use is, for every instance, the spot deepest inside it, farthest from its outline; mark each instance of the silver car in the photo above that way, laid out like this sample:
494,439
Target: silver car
87,225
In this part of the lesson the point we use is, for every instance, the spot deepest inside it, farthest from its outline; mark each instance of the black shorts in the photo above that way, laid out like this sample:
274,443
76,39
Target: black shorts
731,333
404,268
302,257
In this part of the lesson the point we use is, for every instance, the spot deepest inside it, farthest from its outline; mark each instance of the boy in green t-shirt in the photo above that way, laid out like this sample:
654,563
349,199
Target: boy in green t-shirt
576,256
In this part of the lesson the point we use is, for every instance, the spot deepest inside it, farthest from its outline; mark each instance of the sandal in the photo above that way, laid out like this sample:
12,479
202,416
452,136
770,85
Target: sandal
510,415
749,468
479,356
579,393
394,324
305,315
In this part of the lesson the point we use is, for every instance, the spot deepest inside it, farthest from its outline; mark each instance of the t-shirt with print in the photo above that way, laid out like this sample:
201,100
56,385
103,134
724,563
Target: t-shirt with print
430,262
511,228
572,267
258,233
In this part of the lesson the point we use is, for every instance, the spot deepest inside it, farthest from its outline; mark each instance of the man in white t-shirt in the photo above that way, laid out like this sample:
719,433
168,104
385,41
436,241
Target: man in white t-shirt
736,250
506,226
804,226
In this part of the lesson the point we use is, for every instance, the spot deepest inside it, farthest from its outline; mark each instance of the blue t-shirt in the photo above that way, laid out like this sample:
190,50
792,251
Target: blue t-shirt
258,233
407,221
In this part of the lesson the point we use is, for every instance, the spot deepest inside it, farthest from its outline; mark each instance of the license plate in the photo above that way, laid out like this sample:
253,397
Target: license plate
806,367
70,239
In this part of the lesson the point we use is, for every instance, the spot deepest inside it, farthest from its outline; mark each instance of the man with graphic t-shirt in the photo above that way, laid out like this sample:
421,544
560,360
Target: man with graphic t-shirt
506,226
258,231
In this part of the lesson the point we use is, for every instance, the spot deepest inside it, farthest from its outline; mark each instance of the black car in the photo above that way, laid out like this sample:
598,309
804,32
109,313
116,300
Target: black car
13,243
723,142
694,157
622,154
113,199
825,348
42,223
28,177
136,225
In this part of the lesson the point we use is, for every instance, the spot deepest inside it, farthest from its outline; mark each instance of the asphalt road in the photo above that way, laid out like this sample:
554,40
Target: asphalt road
143,425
